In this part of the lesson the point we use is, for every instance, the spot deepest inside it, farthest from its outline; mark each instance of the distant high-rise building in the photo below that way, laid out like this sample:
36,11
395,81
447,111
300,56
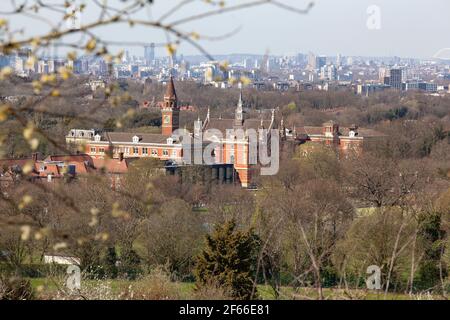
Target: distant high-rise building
312,61
316,62
269,64
383,73
248,63
149,53
338,60
397,77
349,61
126,57
321,61
300,58
328,73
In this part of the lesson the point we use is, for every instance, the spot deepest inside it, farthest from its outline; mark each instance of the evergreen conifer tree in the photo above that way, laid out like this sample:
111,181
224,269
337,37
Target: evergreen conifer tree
228,260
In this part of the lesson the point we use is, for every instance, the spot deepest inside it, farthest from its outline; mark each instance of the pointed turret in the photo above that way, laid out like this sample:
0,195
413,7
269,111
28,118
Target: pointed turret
239,115
170,91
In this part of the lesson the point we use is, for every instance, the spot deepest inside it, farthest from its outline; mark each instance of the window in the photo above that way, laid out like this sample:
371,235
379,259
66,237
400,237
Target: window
165,153
174,153
154,152
102,150
127,150
135,150
93,150
144,151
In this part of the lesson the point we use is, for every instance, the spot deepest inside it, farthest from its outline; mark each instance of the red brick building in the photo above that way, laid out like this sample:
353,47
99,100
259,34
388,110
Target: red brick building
229,149
345,139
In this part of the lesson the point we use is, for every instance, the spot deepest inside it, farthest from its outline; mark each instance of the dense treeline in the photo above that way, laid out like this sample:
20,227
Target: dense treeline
319,223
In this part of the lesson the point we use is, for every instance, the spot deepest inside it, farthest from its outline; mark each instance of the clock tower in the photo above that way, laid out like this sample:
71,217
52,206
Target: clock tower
170,111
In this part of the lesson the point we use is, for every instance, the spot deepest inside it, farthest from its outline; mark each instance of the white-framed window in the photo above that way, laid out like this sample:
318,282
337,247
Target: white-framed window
127,150
93,150
102,150
136,139
174,153
165,153
145,151
154,152
135,150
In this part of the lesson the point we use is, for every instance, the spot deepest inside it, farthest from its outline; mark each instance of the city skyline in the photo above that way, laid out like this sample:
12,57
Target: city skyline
331,27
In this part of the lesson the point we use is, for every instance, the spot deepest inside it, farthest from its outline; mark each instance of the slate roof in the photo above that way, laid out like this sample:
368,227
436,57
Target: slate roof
127,137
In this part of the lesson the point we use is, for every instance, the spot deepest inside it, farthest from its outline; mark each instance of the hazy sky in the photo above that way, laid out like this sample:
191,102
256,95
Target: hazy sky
409,28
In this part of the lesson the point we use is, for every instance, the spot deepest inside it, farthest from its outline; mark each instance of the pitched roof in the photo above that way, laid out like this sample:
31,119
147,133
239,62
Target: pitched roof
344,131
127,137
362,132
223,124
112,165
10,162
80,158
170,90
50,168
82,162
311,130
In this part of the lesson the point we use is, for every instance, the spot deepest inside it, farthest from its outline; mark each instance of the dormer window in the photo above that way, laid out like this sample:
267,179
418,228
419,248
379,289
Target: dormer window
136,139
352,134
97,138
170,140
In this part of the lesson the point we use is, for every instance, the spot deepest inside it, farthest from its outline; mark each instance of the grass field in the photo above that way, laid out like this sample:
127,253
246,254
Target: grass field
46,287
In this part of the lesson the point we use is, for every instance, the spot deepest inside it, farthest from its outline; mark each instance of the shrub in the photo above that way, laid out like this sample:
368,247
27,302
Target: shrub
154,286
15,288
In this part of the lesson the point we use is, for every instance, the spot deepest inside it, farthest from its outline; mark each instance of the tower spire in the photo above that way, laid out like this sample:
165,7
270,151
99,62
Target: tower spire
239,115
170,91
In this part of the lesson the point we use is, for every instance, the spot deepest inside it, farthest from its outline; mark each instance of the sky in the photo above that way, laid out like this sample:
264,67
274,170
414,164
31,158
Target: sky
405,28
